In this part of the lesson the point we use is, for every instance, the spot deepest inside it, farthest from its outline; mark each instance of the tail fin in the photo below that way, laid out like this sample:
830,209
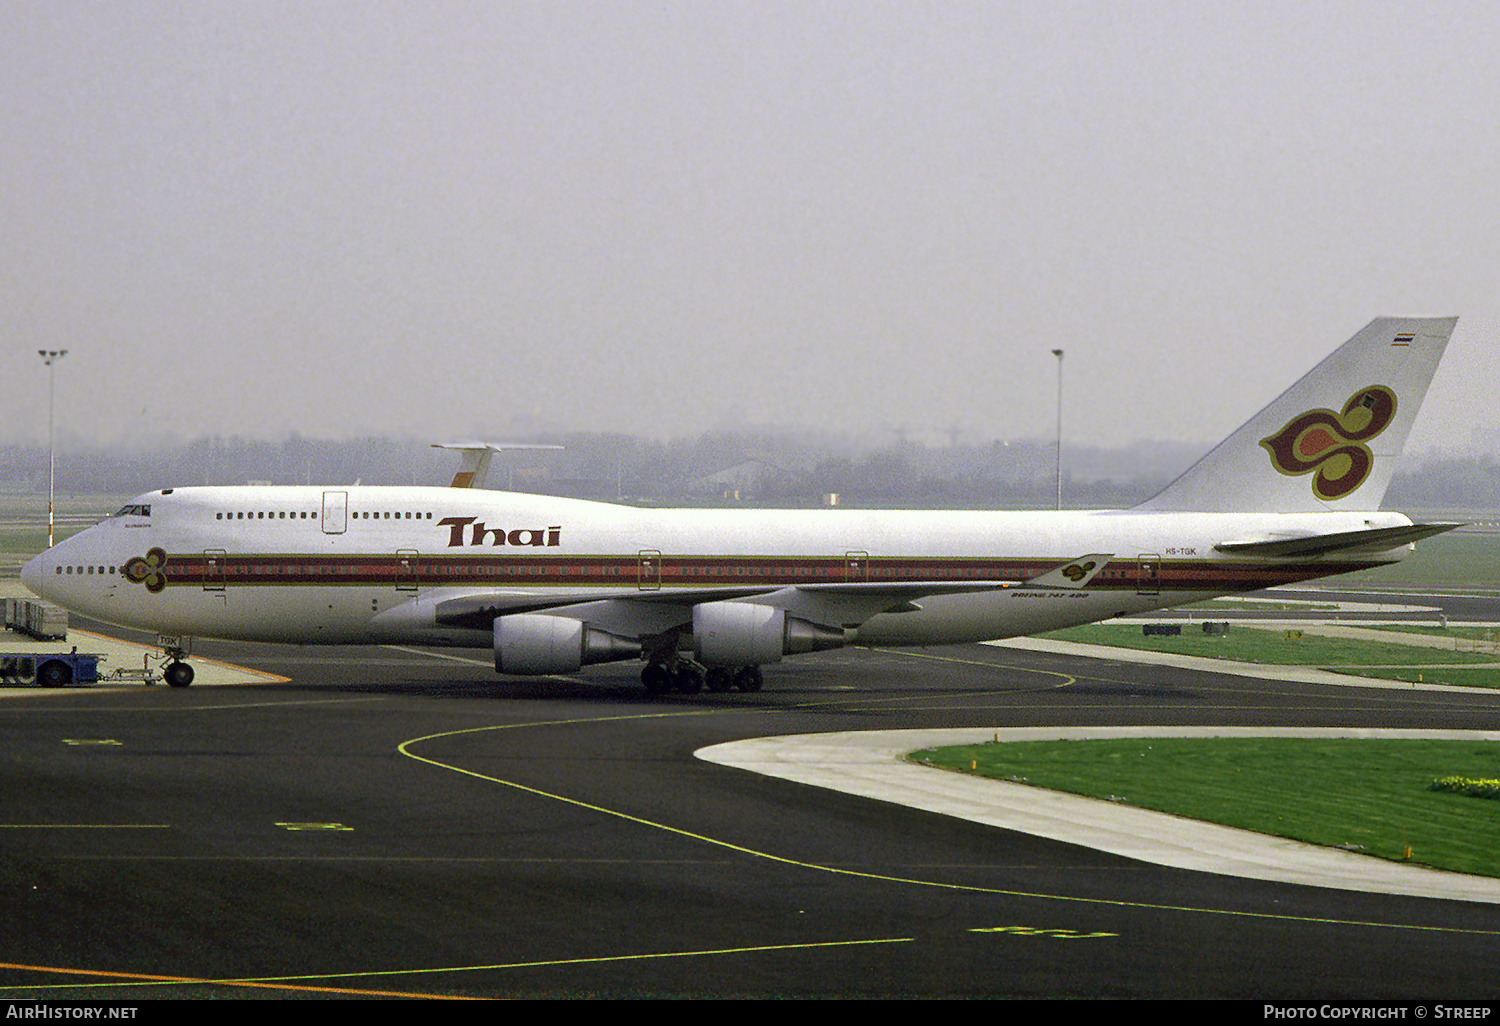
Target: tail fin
1331,441
474,467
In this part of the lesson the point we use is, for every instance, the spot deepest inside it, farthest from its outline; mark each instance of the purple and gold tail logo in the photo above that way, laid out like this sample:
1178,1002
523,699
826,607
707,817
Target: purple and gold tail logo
1332,444
148,570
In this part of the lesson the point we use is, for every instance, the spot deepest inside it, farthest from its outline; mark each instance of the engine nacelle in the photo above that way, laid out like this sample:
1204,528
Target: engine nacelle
746,634
534,643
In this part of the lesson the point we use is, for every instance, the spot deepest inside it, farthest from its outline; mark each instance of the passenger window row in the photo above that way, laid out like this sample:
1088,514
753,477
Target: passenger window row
262,515
83,570
304,515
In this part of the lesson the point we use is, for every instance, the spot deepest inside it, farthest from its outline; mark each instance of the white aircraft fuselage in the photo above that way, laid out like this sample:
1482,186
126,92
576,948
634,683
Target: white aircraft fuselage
280,564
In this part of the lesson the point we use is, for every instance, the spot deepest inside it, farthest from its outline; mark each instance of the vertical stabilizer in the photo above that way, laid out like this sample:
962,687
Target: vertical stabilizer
1331,441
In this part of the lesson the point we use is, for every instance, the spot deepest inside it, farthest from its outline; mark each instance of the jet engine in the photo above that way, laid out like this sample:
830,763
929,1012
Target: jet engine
534,643
746,634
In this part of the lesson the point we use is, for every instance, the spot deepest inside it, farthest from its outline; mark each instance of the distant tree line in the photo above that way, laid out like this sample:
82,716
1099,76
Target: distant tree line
765,468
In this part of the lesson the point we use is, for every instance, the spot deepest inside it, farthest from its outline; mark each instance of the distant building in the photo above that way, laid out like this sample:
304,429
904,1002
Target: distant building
737,482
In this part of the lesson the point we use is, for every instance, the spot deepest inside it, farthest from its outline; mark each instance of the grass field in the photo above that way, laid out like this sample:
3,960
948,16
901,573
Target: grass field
1373,795
1489,633
1456,675
1270,646
1453,560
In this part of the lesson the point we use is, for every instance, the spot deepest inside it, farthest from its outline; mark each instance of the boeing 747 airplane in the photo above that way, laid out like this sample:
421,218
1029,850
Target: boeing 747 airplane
708,597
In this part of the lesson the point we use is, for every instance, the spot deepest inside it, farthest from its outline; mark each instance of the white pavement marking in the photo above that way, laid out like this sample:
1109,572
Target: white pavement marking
869,764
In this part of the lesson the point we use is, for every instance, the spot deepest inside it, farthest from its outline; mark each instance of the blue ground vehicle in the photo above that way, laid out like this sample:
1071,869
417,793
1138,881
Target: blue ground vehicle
49,669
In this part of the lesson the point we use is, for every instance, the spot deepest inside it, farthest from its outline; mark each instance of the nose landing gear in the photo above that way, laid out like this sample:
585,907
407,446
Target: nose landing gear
178,673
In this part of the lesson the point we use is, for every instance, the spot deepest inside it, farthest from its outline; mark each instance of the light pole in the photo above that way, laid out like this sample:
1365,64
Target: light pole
50,357
1059,354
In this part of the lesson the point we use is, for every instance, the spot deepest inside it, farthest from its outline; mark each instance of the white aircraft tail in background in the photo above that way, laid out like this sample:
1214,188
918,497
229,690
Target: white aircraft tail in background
474,463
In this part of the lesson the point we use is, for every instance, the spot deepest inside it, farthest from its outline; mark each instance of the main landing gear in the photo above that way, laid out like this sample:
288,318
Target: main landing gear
690,677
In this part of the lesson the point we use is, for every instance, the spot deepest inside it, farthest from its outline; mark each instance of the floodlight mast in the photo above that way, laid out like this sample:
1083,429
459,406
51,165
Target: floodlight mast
1058,464
50,357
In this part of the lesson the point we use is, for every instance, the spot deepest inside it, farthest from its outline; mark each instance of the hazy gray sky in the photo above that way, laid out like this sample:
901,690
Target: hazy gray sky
432,218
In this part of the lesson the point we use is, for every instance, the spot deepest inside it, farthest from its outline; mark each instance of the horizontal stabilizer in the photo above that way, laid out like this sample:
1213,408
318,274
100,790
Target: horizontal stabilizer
1379,538
1075,573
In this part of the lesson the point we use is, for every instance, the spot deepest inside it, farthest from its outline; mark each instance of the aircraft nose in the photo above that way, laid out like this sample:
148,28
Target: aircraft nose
35,572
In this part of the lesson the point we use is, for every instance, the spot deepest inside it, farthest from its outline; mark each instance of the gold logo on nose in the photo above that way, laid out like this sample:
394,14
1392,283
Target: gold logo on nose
148,570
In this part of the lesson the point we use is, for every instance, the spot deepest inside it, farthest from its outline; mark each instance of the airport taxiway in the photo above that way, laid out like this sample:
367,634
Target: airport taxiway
403,822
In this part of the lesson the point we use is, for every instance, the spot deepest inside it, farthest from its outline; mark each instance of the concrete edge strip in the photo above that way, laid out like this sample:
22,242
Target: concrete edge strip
869,764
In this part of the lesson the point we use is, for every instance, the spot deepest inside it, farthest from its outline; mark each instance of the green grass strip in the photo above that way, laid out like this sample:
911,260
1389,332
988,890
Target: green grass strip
1460,559
1374,796
1273,647
1481,634
1479,677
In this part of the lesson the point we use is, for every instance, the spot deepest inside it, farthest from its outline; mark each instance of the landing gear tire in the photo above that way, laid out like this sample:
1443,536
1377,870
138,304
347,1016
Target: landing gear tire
718,679
748,679
178,674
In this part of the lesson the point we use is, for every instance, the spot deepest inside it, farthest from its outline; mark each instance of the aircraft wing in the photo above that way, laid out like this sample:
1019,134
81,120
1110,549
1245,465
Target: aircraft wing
845,603
828,602
479,610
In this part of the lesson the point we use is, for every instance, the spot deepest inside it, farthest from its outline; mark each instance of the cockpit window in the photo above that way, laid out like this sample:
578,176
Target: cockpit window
142,509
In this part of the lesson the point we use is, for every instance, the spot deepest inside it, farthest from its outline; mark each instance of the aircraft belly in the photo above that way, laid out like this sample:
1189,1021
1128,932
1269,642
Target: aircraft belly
289,615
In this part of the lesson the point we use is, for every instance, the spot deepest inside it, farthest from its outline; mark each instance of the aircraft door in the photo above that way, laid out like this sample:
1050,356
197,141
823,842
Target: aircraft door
1148,574
335,512
648,570
213,571
406,580
856,565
